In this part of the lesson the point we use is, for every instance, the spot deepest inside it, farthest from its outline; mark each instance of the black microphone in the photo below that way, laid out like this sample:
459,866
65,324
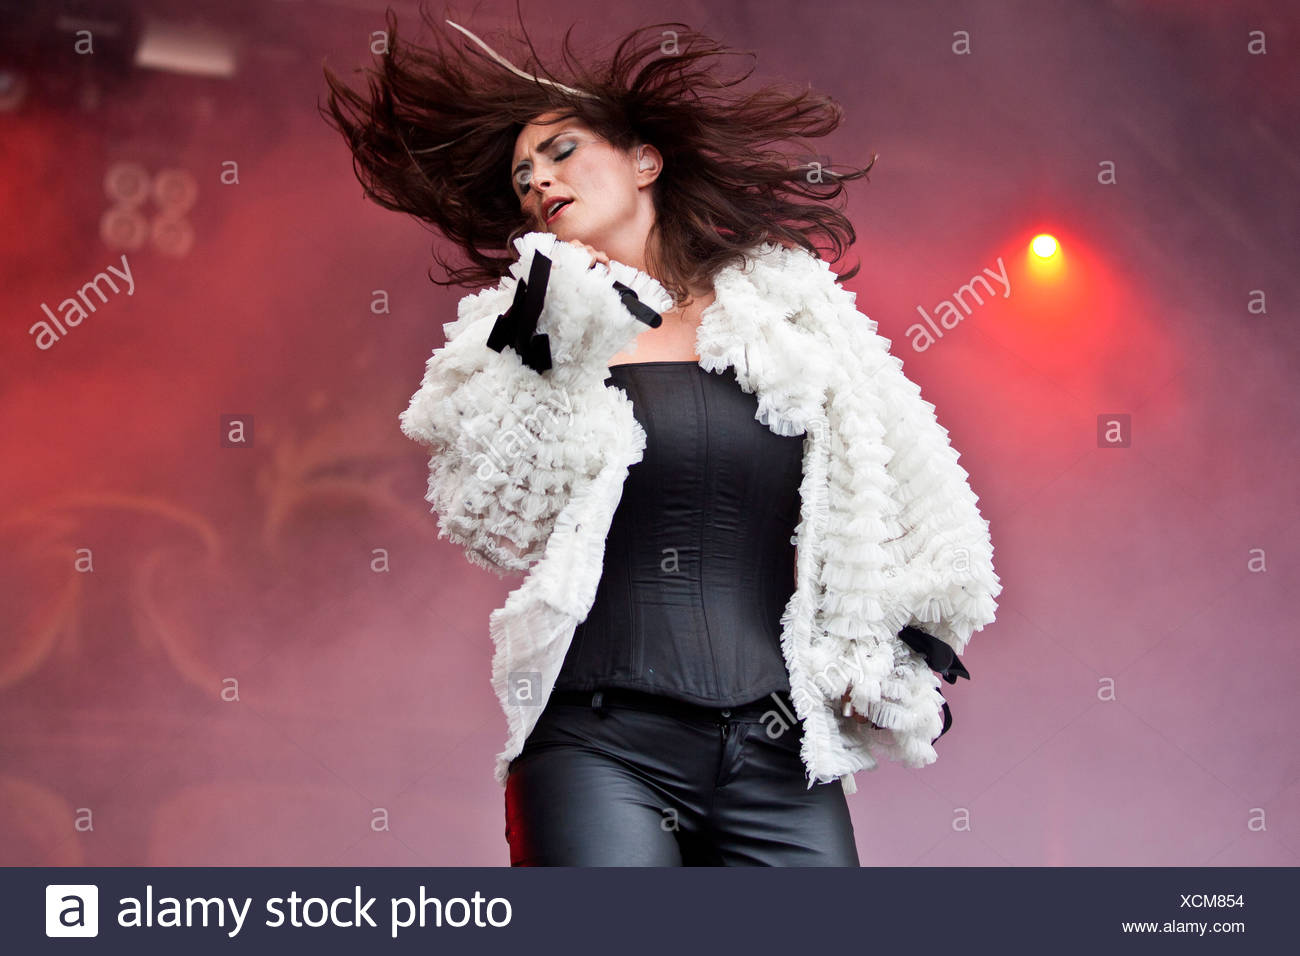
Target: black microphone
638,308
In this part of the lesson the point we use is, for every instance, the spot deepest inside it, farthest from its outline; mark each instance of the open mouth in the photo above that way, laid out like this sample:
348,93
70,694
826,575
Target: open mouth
557,209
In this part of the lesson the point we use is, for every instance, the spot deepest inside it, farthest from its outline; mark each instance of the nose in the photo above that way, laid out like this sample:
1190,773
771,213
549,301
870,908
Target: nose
541,173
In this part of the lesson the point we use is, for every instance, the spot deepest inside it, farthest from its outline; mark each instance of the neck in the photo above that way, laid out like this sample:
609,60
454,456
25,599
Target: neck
630,246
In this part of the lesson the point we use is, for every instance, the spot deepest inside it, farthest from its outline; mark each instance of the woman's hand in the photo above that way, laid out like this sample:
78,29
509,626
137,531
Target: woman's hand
596,254
848,710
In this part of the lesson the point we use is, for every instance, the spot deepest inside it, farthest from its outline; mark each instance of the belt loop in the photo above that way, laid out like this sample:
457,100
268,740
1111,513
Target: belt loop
598,701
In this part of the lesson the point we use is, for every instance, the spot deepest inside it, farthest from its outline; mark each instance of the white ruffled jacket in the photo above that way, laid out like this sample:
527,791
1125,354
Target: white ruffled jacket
527,469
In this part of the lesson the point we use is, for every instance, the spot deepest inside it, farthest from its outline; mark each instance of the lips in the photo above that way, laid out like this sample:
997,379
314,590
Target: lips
564,204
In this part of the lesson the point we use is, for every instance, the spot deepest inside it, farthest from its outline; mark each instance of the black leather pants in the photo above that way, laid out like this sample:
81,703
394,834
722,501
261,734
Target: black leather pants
631,779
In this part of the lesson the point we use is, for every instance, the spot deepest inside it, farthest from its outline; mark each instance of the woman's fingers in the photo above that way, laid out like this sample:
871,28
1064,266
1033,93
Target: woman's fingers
850,712
596,254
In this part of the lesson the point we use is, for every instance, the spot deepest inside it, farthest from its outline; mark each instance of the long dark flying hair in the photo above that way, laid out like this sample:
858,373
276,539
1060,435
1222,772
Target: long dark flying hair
435,135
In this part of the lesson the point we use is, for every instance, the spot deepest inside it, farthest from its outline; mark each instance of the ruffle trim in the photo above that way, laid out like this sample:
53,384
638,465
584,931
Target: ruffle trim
583,315
509,445
900,511
532,631
748,328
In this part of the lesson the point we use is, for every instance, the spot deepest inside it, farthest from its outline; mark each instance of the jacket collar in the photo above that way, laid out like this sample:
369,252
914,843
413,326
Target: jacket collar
752,326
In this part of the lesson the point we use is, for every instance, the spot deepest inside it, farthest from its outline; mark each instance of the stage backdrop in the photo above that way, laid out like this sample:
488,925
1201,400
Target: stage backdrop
231,634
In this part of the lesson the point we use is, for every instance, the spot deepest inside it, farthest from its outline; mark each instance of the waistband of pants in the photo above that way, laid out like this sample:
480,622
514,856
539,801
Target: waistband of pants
658,703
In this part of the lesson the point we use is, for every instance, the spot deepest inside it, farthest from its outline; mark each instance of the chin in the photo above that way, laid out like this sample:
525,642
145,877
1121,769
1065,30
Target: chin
567,231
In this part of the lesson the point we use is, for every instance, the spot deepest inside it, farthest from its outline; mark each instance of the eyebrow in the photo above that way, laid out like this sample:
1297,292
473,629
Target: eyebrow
544,144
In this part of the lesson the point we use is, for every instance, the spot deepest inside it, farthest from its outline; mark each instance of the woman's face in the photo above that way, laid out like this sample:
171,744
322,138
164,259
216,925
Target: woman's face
567,160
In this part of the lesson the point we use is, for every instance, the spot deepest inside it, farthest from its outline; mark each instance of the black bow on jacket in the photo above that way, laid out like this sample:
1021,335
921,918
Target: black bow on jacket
517,326
938,657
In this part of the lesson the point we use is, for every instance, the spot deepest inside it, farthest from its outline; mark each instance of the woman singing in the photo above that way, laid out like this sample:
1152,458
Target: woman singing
748,551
